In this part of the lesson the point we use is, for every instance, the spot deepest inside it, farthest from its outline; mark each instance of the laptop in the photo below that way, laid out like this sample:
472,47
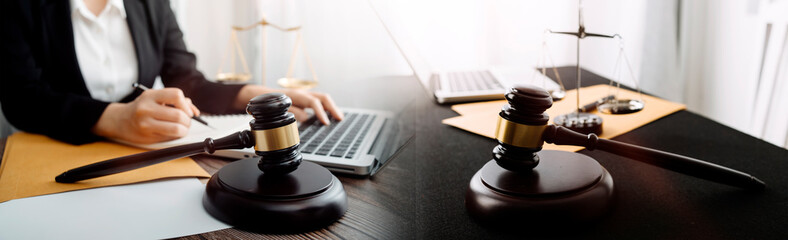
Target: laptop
361,144
448,86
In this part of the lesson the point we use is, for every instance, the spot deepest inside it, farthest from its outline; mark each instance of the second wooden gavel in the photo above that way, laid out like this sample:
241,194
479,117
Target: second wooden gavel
522,129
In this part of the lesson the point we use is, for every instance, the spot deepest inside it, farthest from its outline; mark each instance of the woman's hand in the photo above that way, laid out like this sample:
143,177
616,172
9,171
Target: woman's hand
320,103
155,116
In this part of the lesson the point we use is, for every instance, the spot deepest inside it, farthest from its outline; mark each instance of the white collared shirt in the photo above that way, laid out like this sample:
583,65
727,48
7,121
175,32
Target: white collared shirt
105,50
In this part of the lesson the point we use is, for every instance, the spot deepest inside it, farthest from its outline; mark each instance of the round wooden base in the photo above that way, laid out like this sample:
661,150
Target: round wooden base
306,199
565,188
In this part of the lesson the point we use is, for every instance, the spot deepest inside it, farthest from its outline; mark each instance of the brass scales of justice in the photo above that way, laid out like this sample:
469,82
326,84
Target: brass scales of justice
234,48
580,120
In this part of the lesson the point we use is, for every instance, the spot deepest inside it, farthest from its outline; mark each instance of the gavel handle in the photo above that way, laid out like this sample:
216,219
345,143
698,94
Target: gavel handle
236,140
671,161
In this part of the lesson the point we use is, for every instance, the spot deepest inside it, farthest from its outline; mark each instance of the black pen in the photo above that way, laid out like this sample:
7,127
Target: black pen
195,117
591,106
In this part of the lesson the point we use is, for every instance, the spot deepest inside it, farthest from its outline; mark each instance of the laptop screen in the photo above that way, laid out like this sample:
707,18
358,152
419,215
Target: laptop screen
390,21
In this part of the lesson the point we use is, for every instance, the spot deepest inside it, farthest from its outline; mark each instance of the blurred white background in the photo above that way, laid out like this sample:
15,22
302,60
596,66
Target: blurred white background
726,60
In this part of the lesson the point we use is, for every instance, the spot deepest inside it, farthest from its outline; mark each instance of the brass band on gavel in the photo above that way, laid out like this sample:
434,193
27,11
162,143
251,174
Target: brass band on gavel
276,138
519,135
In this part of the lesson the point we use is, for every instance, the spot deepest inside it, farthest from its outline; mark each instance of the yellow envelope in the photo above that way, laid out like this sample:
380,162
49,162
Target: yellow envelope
481,118
31,162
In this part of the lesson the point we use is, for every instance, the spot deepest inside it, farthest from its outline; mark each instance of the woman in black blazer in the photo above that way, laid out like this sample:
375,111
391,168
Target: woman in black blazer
42,89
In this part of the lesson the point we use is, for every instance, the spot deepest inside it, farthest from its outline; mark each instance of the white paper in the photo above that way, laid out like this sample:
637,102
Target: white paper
151,210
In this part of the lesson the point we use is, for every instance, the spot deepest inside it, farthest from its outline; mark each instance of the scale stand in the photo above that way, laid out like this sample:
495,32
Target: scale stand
579,120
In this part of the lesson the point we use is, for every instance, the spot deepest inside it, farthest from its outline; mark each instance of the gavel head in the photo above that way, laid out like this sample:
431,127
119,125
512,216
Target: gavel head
275,133
520,128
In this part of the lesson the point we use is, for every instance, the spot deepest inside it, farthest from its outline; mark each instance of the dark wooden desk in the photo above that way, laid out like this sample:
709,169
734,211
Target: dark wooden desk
421,193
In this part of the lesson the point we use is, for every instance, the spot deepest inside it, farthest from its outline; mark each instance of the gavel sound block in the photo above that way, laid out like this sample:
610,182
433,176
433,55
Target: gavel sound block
275,191
553,188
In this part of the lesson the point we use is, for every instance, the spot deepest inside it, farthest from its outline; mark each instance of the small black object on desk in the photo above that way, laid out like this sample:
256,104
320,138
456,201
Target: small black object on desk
523,184
581,121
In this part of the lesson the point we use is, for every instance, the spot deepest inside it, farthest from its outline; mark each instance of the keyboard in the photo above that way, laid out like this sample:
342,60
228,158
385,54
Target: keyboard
340,139
472,81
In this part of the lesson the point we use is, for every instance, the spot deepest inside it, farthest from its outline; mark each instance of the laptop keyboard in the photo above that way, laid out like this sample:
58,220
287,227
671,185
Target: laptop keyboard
472,81
340,139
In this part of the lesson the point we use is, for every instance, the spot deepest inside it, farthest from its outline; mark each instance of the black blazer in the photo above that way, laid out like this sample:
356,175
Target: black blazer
42,89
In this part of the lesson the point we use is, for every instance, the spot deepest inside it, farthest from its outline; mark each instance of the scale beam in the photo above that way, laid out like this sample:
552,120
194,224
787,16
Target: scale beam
583,34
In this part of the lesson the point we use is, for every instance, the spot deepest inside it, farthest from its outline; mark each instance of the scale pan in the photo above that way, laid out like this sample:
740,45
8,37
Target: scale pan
557,95
296,83
233,77
621,106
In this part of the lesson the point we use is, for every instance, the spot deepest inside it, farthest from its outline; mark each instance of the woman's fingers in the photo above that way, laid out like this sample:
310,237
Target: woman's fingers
329,105
299,113
164,113
166,130
317,102
150,130
317,106
155,116
194,108
172,97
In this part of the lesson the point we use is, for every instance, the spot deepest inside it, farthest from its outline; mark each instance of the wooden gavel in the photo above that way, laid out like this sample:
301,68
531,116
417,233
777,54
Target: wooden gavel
274,134
275,191
522,130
